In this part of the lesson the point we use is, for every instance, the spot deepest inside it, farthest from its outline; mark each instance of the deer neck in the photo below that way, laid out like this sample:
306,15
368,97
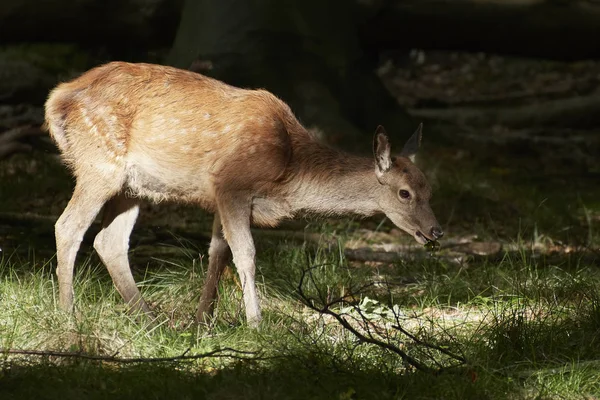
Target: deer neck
330,182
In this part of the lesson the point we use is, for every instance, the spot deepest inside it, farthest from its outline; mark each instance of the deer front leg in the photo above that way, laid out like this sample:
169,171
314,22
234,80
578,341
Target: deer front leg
218,257
235,217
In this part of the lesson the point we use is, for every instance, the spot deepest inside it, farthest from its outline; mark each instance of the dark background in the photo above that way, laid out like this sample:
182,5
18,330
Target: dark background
509,94
508,91
320,56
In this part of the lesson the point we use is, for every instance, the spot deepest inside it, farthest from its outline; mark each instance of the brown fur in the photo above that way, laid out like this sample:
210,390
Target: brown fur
132,131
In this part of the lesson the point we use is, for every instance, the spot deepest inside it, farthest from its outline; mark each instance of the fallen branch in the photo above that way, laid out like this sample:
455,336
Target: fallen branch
572,112
392,254
10,140
218,353
368,254
368,337
26,218
403,253
24,114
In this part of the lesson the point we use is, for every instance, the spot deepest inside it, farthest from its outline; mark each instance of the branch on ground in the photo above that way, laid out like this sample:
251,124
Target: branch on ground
11,140
581,111
217,353
363,328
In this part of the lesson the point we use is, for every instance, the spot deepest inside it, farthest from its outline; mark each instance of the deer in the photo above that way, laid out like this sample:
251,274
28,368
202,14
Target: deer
131,132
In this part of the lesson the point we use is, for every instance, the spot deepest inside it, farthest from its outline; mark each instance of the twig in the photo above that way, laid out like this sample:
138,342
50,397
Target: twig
225,352
325,310
370,339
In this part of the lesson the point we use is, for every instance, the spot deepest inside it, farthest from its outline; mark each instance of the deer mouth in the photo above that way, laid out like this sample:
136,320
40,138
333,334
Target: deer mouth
421,238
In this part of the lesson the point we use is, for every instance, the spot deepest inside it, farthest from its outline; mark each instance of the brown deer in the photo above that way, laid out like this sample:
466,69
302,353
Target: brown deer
133,131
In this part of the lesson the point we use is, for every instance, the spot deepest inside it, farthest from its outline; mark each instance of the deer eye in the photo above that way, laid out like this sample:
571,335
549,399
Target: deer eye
404,194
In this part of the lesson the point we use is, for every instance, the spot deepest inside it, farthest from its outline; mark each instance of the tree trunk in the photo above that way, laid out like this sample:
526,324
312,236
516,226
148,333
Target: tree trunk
111,23
307,53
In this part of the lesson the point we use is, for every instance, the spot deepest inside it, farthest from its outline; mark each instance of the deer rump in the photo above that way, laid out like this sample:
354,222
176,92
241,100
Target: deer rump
168,134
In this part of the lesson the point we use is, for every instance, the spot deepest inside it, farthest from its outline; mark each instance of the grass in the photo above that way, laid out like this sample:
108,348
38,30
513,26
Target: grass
529,329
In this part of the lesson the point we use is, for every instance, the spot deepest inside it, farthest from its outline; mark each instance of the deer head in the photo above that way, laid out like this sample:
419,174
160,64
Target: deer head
406,200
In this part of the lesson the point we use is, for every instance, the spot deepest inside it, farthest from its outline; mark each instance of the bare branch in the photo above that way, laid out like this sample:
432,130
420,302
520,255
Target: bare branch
225,352
9,140
325,310
370,328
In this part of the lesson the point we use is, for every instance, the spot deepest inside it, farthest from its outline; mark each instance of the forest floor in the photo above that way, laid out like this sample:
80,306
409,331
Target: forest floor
509,308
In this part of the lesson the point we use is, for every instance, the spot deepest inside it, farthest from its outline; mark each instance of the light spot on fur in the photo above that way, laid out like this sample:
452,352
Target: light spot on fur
207,116
183,131
88,121
227,128
194,129
186,148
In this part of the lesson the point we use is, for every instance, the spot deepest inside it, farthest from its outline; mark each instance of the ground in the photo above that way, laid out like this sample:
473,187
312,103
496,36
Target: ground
509,308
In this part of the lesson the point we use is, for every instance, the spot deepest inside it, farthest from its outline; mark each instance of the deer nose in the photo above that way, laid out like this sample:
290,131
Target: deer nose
437,232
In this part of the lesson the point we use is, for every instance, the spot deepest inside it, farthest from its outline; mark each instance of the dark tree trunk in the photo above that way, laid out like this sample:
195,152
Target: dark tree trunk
306,52
115,24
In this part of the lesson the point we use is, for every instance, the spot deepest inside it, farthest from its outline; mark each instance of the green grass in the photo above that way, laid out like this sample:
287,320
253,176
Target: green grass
528,328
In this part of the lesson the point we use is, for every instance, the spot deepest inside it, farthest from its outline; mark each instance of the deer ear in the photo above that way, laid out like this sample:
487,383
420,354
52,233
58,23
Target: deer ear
381,151
412,145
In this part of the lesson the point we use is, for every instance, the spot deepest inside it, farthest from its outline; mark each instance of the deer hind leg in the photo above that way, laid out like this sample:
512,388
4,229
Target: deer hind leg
236,227
112,245
219,255
88,198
